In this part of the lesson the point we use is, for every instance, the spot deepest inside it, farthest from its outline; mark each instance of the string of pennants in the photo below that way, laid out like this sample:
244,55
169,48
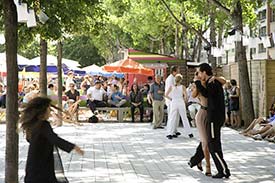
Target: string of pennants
26,15
251,42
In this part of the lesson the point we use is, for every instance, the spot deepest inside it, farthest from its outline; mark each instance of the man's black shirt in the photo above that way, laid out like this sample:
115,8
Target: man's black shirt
215,96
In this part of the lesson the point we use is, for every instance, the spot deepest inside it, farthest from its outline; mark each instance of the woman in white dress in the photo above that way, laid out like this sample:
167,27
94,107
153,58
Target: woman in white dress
178,96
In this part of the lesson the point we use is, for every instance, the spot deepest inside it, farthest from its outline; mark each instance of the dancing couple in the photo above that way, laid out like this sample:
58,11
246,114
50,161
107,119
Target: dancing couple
209,119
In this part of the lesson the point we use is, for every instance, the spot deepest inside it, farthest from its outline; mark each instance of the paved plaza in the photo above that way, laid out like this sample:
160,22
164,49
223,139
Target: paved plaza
133,152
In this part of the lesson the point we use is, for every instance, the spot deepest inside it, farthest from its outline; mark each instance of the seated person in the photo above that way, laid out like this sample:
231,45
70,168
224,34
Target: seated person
50,90
31,93
72,99
116,98
136,100
259,126
2,96
145,92
95,96
268,134
272,108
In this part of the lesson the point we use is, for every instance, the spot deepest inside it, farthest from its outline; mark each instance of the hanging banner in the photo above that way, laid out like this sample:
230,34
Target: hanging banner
266,42
31,19
216,52
230,39
252,42
22,12
245,40
43,18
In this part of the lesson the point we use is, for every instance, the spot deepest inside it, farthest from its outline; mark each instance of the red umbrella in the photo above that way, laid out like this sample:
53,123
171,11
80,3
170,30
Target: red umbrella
128,66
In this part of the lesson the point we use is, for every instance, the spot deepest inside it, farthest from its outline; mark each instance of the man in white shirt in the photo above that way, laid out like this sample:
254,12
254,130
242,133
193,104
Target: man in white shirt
50,90
170,81
95,96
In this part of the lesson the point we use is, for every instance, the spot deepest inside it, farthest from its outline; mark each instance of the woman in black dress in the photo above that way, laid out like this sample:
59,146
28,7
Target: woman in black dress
43,141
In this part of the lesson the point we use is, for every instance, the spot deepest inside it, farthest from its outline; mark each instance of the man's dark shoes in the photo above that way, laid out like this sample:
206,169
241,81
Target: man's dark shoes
175,136
169,137
221,175
178,133
190,164
160,127
191,135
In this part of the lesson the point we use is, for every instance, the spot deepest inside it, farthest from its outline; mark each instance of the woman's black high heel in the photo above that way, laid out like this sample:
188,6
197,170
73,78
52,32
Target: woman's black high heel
199,167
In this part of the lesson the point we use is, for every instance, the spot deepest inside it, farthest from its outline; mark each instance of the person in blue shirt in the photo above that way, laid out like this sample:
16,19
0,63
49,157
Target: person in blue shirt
116,99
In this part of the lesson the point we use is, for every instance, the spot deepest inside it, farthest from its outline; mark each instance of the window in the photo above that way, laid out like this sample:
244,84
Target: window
262,15
262,49
262,31
272,16
253,50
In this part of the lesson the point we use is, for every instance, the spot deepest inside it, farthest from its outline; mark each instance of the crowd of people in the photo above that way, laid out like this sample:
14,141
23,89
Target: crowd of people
210,117
206,103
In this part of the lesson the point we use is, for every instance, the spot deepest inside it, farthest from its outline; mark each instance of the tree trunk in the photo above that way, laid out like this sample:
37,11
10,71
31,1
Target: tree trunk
211,58
185,51
59,80
11,36
152,46
199,50
220,41
185,44
195,48
43,67
177,41
240,57
162,46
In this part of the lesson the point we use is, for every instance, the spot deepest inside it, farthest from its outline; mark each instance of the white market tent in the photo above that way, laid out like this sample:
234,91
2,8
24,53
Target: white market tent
96,70
52,60
69,64
93,69
20,61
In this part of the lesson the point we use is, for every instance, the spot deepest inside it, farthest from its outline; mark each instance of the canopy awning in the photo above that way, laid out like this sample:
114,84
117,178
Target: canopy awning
128,66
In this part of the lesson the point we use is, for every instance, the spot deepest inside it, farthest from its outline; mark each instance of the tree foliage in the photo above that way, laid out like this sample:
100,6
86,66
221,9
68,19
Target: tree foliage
82,49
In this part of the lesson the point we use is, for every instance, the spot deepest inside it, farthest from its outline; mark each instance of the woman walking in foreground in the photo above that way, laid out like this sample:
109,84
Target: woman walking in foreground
40,166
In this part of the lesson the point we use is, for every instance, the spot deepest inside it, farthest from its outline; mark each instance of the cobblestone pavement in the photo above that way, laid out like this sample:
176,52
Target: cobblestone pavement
127,152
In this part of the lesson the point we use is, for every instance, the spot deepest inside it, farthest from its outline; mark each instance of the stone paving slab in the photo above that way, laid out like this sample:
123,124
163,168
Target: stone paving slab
133,152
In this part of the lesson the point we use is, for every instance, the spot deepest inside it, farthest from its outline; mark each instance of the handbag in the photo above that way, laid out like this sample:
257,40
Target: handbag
58,167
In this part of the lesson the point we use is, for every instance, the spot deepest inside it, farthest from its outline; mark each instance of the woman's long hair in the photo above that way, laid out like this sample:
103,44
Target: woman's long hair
199,87
132,87
32,115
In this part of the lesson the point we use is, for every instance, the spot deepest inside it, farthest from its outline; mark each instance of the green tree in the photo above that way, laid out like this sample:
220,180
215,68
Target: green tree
241,12
11,153
82,49
65,17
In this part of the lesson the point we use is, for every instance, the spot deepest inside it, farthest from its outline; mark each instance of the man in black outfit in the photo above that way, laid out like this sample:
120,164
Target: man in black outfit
216,118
